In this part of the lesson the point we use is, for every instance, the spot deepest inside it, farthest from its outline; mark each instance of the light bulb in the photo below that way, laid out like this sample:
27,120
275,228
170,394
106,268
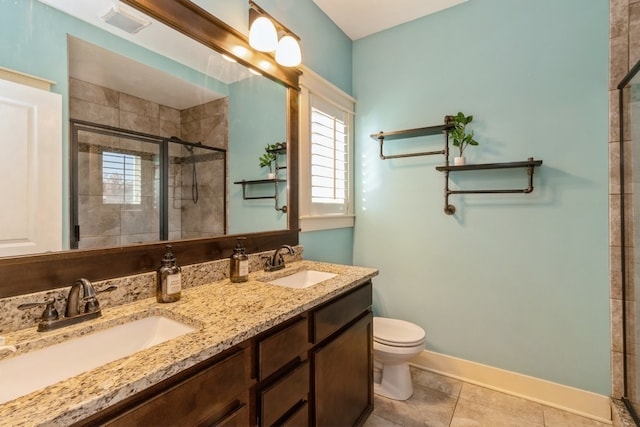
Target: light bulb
288,52
263,35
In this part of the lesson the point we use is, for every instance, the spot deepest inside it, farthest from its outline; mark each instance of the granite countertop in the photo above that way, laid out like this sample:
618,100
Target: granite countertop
224,314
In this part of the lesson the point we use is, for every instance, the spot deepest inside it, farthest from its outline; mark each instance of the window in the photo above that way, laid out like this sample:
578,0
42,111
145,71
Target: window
325,155
121,178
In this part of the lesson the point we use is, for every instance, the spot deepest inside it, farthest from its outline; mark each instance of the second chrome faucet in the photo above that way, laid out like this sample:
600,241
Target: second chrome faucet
276,261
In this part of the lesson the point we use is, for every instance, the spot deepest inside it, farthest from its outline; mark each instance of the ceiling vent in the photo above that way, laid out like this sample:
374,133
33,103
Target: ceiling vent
124,20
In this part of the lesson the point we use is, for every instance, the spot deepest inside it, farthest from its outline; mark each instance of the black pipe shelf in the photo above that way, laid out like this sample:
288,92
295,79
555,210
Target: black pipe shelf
479,166
449,209
529,164
411,133
275,181
272,181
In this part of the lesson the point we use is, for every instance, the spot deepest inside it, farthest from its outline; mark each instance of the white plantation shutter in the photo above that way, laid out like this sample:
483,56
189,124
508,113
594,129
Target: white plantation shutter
325,155
329,158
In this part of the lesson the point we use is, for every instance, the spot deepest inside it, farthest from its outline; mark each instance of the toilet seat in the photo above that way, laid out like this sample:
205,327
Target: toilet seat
397,333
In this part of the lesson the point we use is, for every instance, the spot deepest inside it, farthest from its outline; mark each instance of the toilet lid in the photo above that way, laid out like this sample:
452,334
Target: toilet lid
395,332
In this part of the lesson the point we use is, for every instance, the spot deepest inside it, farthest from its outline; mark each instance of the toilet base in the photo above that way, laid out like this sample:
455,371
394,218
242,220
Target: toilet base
396,382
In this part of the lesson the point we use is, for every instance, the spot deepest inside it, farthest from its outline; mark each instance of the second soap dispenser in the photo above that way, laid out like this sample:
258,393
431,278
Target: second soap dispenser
239,263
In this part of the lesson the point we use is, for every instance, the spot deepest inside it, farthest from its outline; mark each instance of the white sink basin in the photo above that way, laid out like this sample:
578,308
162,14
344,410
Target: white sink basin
23,374
303,279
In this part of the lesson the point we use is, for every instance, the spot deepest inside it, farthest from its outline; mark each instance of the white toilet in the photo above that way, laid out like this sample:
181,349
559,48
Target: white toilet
395,342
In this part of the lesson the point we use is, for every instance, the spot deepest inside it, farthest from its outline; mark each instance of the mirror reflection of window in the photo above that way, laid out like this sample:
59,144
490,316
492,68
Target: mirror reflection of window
121,178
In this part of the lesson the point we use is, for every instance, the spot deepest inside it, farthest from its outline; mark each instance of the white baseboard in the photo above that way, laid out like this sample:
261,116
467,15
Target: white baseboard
581,402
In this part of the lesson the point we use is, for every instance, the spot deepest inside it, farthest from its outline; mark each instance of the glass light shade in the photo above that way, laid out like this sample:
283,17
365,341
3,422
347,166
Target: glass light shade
288,52
263,35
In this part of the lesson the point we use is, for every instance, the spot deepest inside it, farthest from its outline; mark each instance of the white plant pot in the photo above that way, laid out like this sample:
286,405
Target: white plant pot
458,161
271,175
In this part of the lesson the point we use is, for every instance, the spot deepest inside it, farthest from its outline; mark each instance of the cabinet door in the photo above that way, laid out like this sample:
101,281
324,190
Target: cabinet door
343,376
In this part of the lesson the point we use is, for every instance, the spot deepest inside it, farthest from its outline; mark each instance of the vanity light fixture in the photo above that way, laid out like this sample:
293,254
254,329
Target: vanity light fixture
126,21
264,31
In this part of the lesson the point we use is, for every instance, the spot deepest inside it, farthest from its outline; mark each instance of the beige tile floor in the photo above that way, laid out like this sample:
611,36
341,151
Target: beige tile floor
442,401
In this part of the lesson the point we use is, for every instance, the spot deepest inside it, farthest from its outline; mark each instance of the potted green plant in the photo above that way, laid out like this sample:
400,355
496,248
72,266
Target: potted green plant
268,158
461,138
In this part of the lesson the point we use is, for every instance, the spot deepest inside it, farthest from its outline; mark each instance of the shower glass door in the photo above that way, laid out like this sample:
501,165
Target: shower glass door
129,187
117,188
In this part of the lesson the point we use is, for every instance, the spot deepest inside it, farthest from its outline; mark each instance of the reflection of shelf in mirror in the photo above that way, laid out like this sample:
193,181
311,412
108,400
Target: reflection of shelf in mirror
278,151
259,181
274,181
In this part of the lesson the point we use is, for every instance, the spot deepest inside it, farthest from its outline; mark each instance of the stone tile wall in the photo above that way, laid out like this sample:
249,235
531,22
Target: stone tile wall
208,125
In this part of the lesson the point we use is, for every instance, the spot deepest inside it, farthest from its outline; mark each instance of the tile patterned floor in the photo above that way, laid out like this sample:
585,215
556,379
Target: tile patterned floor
440,401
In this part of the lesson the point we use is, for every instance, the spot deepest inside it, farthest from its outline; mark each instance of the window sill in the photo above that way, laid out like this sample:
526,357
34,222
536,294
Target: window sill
317,223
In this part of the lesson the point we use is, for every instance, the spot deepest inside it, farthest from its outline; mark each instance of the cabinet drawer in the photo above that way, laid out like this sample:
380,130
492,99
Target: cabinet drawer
337,313
280,397
282,347
208,397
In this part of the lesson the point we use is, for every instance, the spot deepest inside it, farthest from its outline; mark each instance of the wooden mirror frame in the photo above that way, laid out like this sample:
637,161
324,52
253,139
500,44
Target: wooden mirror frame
35,273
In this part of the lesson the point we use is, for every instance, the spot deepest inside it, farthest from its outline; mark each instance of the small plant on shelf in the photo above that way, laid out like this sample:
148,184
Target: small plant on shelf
268,158
461,138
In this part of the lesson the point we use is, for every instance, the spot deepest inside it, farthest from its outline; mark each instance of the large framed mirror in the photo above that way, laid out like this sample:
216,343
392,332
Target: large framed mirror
257,97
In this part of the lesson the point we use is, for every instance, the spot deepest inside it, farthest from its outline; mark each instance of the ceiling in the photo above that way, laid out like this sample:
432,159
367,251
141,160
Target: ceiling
361,18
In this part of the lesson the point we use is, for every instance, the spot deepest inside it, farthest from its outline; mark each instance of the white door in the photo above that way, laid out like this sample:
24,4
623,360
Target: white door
31,168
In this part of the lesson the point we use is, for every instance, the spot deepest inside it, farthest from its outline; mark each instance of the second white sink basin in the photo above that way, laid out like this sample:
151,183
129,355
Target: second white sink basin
35,370
303,279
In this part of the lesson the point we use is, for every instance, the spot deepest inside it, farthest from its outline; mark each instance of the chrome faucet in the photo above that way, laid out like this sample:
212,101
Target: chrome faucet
78,308
276,262
87,304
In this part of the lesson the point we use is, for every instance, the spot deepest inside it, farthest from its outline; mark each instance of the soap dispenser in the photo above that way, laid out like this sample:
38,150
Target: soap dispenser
239,263
169,286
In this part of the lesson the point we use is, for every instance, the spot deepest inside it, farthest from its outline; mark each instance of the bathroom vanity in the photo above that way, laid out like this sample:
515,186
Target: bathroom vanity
261,354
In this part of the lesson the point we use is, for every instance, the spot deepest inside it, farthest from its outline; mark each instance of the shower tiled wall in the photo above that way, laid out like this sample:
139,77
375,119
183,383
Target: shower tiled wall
207,124
112,225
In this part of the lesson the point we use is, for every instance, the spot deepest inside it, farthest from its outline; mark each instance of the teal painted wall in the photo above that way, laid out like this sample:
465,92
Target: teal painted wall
329,245
257,117
518,282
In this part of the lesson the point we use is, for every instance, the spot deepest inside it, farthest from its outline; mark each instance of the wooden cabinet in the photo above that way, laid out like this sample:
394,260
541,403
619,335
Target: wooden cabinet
212,393
315,369
342,360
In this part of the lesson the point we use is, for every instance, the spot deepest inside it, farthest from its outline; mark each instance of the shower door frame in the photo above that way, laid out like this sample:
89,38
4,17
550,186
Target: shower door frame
163,142
622,110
